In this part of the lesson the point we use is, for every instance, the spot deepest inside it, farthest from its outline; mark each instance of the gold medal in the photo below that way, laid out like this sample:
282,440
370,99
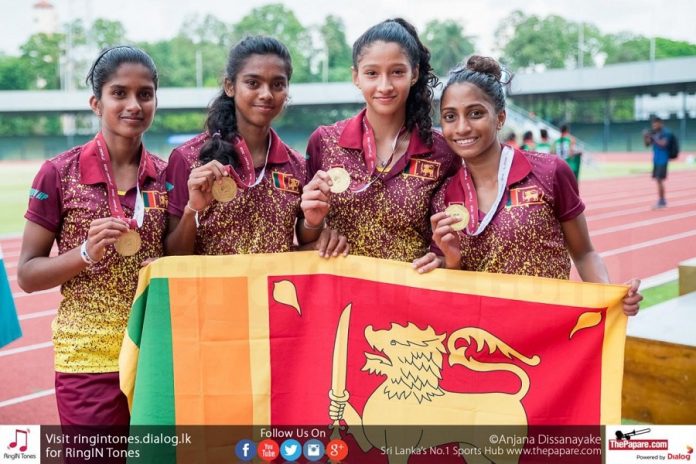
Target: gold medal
340,179
224,190
128,244
460,212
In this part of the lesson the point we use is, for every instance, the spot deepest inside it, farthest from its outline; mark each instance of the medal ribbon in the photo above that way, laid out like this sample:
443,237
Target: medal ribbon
470,201
247,178
111,190
370,153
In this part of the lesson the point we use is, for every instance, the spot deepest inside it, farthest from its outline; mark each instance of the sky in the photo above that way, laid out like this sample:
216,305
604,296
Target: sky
151,20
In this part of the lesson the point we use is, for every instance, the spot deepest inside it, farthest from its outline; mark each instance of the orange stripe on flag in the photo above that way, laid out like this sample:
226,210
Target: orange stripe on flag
210,347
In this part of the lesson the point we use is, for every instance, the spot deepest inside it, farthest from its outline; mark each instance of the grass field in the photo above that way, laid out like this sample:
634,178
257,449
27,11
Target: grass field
607,170
655,295
15,181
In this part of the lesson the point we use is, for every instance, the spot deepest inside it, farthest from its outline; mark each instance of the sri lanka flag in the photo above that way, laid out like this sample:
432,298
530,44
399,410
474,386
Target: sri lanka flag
281,339
9,324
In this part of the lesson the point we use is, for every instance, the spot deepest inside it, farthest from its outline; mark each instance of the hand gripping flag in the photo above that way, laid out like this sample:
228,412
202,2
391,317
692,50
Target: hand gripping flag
292,339
9,324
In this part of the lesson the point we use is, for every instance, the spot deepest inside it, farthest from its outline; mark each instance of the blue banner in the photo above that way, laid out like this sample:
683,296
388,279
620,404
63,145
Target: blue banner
9,324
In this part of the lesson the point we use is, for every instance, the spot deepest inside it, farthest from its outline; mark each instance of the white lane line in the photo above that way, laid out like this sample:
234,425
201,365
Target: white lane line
40,292
659,279
25,398
23,349
638,224
632,201
649,243
630,191
37,314
641,209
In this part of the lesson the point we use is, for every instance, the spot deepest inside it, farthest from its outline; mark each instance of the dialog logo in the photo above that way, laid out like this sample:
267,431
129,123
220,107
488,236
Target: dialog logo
313,450
245,450
290,450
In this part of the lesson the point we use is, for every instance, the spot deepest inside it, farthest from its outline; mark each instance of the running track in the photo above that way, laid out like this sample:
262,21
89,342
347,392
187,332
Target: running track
634,240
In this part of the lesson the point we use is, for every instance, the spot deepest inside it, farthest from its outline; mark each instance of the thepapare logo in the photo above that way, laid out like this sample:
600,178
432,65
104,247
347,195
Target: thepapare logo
20,443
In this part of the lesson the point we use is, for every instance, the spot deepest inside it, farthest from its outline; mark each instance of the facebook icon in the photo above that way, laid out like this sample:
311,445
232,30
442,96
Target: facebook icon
245,450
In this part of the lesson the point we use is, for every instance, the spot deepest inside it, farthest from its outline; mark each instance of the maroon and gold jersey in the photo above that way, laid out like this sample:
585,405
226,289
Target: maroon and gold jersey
68,193
390,218
525,235
260,219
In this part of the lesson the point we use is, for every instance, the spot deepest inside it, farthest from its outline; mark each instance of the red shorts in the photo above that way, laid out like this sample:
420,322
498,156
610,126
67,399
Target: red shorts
91,405
91,399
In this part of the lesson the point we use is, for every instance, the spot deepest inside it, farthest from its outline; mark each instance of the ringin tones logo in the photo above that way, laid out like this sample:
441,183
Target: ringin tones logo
20,444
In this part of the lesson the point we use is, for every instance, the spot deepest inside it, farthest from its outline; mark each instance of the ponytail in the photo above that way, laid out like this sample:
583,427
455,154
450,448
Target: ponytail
221,125
419,105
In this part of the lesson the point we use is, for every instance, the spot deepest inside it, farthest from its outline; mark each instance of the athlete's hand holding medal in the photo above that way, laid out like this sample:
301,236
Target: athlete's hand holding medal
102,233
446,226
216,181
119,228
204,181
315,199
315,206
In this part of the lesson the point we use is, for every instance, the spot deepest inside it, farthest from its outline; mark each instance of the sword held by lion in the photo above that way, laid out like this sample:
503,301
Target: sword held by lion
402,412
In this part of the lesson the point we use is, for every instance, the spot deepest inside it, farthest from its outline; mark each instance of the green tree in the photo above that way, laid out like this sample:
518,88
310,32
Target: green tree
42,53
529,42
105,33
175,60
333,34
280,22
179,122
626,47
211,39
447,43
207,30
14,74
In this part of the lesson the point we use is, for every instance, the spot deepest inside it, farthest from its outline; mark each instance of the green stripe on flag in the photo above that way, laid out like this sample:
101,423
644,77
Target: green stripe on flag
153,402
155,357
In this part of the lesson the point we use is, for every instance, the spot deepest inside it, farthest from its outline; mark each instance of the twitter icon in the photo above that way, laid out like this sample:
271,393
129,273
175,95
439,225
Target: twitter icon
290,450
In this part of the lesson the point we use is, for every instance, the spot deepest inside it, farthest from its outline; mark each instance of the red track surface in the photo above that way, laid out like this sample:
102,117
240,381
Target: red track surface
635,241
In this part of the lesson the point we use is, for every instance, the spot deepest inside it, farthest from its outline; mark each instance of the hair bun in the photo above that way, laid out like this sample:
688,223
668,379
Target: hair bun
485,65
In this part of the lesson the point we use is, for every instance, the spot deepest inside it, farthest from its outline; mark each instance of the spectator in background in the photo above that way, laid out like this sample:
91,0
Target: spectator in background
543,146
511,140
565,147
528,142
658,137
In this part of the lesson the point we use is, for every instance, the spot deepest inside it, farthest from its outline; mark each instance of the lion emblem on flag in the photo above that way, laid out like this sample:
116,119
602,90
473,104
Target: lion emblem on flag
411,362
